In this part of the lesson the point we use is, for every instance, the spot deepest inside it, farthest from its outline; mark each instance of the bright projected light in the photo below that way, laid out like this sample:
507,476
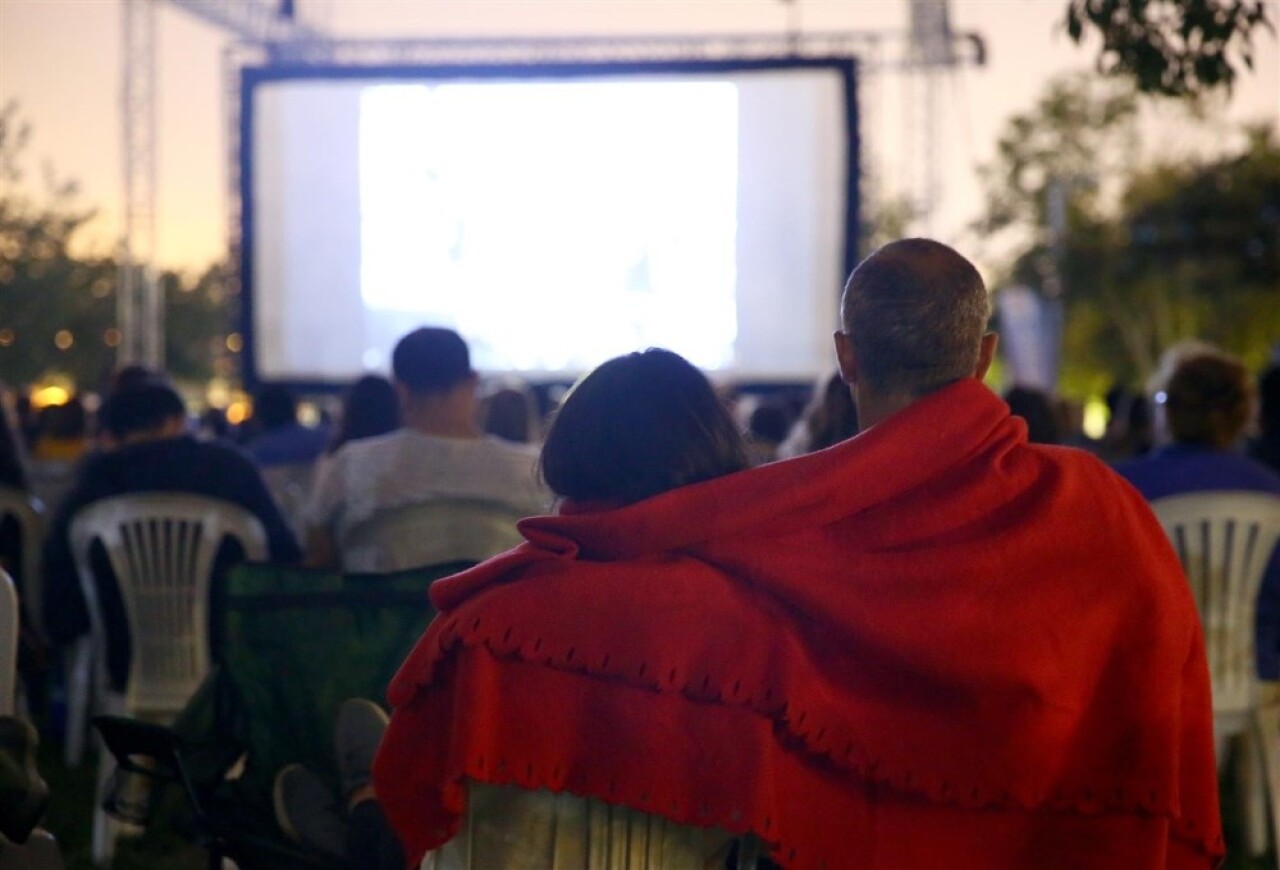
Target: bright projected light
553,220
599,212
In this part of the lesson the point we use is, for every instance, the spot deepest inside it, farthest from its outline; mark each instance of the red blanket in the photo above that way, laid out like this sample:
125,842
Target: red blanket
932,645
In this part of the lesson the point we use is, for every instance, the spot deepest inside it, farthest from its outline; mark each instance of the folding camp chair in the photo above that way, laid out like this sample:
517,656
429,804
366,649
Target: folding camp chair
295,644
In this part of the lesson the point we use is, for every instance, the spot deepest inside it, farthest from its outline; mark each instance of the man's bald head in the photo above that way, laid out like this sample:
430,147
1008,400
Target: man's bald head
915,312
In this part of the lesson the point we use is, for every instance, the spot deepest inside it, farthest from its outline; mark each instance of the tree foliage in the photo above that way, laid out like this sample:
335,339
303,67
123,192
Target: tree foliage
1171,47
1180,249
58,308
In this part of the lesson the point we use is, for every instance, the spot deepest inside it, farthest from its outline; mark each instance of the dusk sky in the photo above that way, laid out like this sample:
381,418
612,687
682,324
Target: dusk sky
60,60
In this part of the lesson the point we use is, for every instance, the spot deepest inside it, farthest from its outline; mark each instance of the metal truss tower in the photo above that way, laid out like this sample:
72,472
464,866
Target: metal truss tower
139,306
139,296
931,56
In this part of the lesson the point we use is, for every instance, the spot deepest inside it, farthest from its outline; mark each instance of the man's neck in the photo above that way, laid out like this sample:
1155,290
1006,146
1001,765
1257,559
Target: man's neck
443,420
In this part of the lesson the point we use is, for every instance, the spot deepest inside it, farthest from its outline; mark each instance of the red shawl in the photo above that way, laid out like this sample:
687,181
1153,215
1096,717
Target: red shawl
931,645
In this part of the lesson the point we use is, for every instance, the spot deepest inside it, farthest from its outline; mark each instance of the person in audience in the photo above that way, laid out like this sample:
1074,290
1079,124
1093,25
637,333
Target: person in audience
635,427
830,418
439,451
1129,431
348,827
64,432
767,427
510,412
1204,400
1266,447
279,438
154,453
369,408
1036,408
934,644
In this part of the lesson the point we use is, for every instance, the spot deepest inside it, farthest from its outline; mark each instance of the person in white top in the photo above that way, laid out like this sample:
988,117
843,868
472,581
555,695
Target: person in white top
439,453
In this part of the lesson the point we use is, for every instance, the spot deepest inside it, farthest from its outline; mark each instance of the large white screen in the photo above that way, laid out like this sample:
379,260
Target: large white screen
554,223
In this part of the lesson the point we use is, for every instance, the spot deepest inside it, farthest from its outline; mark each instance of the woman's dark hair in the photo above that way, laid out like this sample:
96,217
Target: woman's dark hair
833,416
369,408
639,425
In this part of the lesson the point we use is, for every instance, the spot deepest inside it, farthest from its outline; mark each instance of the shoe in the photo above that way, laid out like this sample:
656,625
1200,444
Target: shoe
356,736
308,811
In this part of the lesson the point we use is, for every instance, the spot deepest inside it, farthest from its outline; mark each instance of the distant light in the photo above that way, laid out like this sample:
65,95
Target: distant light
50,395
237,412
235,342
1095,418
7,337
308,414
63,339
112,337
1161,397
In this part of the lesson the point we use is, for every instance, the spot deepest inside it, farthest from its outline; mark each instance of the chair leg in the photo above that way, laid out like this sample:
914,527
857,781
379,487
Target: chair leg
1252,790
79,678
1268,725
105,828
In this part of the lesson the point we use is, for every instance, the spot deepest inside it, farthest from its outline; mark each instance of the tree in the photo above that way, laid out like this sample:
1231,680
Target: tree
1171,47
55,309
1180,249
1078,138
58,309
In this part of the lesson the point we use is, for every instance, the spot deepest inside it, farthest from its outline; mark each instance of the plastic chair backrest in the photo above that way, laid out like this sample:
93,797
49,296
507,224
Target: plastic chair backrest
8,644
162,547
430,533
28,512
1224,540
290,485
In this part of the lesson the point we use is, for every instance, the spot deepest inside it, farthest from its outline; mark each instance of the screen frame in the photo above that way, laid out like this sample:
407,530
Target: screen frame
252,77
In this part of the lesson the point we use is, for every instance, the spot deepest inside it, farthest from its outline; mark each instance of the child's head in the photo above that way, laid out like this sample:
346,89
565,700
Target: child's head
638,425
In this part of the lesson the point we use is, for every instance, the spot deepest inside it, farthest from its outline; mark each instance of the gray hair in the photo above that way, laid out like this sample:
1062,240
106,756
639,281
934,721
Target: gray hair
915,311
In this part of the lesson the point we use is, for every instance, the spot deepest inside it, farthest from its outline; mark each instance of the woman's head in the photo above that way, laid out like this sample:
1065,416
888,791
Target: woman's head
1207,399
369,408
638,425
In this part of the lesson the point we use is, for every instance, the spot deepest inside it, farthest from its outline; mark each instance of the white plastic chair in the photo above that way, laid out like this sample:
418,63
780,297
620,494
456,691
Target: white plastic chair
28,511
290,485
1224,540
41,851
430,533
161,548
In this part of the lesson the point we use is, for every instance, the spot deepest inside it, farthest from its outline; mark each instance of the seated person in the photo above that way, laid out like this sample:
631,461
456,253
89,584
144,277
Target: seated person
438,453
279,439
830,418
1203,401
932,645
155,453
635,427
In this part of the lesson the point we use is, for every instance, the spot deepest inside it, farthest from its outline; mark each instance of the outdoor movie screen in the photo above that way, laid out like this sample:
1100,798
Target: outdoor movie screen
554,217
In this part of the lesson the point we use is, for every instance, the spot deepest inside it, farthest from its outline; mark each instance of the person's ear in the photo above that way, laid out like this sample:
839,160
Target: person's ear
986,354
845,357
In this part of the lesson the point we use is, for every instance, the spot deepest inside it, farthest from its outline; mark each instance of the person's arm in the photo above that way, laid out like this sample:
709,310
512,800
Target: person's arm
251,492
321,512
321,551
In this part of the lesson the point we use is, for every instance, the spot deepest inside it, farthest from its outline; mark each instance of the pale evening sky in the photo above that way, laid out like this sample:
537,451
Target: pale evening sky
60,59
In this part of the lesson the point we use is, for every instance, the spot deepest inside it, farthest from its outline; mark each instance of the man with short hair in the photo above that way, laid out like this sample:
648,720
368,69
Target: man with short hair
931,645
152,452
439,453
